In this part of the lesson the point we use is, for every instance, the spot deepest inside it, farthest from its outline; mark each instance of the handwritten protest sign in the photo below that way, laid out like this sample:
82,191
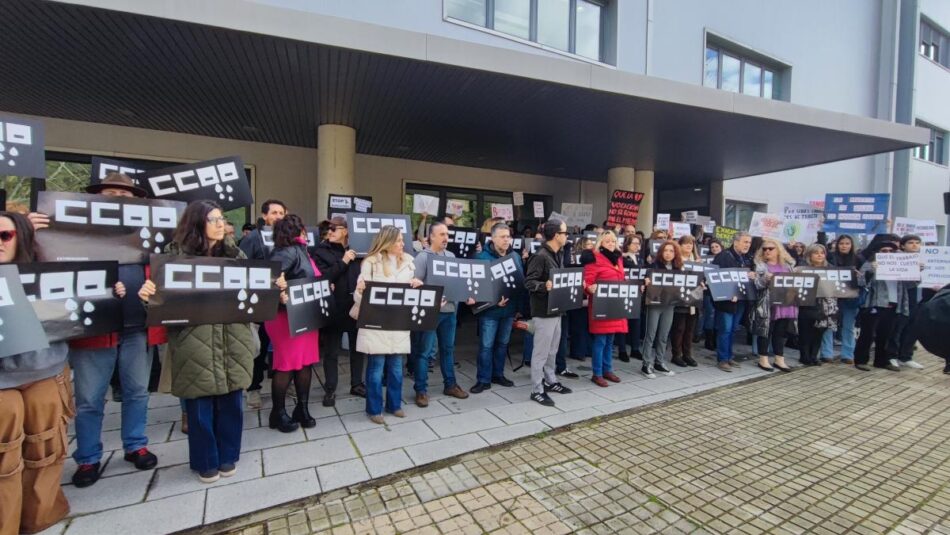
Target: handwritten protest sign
725,235
802,223
624,208
577,214
856,213
925,228
767,226
898,266
663,221
936,273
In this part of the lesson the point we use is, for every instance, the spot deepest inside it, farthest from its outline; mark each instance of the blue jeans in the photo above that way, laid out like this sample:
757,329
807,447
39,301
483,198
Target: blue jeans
92,371
445,333
709,314
849,316
375,367
726,325
493,347
215,424
602,357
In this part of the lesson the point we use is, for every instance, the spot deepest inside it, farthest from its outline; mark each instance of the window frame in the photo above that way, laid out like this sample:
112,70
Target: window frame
523,214
743,61
932,152
933,43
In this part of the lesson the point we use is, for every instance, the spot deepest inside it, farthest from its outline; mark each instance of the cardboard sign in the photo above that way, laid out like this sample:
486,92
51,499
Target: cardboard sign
709,226
221,180
506,277
796,289
697,267
637,275
504,211
725,235
74,299
20,329
103,166
834,282
461,278
802,223
397,307
22,147
455,207
767,226
462,241
99,227
726,284
856,213
897,266
925,228
517,198
624,208
363,228
424,204
267,237
310,305
936,273
538,209
680,230
616,300
673,288
567,292
340,205
663,221
209,290
577,214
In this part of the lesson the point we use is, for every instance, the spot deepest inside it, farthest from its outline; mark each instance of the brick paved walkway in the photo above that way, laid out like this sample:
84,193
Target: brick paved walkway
821,450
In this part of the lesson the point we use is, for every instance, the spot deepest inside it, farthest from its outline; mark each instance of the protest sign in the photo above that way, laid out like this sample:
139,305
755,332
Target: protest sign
567,292
538,209
310,305
793,289
925,228
833,281
456,207
936,273
680,230
674,288
462,241
725,235
398,307
267,237
340,205
690,216
726,284
22,147
767,226
616,300
517,198
897,266
101,227
461,278
221,180
504,211
20,329
802,223
103,166
663,221
697,267
577,214
635,274
856,213
74,299
709,227
363,228
624,208
424,204
207,290
506,277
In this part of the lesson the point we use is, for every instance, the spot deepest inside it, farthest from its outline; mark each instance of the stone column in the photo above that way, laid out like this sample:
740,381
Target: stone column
644,183
336,163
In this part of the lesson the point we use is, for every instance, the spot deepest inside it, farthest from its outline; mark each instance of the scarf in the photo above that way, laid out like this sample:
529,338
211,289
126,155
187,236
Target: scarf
613,256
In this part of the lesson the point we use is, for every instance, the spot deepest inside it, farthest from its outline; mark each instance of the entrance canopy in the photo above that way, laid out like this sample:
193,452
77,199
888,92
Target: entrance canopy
225,72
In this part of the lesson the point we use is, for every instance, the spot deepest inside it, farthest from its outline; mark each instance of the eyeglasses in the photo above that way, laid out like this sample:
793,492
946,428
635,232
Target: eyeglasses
768,248
216,220
7,235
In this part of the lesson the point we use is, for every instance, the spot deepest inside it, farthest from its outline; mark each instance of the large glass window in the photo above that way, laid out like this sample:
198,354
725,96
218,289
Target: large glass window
575,26
933,43
739,213
727,70
752,80
475,204
767,90
935,150
731,67
711,68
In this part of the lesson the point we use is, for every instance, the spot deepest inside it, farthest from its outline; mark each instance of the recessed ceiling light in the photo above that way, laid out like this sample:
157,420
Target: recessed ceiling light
697,189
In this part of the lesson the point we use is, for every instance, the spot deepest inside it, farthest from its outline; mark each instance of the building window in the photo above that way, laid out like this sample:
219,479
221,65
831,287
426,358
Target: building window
738,214
933,43
573,26
732,71
936,150
476,205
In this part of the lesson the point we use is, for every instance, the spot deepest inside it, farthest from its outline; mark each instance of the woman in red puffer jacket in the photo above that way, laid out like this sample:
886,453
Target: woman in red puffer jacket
606,267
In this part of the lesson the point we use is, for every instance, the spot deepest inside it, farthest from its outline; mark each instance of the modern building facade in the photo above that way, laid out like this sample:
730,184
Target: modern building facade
726,107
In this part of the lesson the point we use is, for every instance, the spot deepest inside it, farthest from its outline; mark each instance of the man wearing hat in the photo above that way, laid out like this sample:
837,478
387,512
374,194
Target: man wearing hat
94,359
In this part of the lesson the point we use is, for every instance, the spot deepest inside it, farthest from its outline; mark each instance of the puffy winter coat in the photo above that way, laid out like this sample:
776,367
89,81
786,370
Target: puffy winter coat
375,342
602,270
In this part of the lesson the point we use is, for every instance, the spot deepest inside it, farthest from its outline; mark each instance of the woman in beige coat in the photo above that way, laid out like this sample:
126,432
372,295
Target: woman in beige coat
385,262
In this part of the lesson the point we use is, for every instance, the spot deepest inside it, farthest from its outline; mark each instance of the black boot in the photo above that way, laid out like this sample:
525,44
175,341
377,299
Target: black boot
281,422
278,414
302,415
710,339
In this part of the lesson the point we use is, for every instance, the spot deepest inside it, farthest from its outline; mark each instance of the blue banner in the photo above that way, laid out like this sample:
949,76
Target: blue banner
856,213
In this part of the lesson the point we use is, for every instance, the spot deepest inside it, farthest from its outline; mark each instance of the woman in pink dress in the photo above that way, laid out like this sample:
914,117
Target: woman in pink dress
293,355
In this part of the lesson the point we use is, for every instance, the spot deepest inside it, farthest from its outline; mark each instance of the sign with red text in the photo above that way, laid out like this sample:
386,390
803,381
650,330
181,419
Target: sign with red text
767,226
624,208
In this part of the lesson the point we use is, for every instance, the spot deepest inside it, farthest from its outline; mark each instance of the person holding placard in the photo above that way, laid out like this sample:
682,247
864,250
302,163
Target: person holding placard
684,318
36,401
576,320
211,364
660,317
770,323
606,267
902,339
386,261
709,311
631,260
729,314
844,254
294,356
884,300
815,321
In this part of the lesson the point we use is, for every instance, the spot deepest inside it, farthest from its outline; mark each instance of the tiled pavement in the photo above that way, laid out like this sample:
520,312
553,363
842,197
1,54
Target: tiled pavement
345,448
825,450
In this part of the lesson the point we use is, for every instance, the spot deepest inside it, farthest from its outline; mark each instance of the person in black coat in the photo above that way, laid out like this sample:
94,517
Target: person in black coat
338,264
730,313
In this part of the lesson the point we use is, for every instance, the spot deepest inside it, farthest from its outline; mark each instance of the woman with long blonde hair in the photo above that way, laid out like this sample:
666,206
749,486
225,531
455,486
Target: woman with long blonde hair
771,322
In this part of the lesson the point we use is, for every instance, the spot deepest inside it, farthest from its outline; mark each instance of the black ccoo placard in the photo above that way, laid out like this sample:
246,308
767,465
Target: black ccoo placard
22,151
674,288
725,284
793,289
99,227
567,290
310,305
20,329
207,290
616,300
462,241
835,282
103,166
221,180
362,228
461,278
74,299
397,307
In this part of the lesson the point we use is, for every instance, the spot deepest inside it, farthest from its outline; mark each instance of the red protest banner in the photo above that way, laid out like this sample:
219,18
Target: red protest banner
624,208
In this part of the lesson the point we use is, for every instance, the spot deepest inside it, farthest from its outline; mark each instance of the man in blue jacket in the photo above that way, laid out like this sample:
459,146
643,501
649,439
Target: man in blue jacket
495,322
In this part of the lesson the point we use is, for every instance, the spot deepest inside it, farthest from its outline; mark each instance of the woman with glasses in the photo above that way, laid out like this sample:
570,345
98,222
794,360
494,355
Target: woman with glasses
36,401
883,302
815,321
211,364
770,323
606,267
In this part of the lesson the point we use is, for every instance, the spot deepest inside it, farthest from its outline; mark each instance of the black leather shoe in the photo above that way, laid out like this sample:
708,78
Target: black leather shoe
142,459
282,422
359,390
765,368
678,361
623,357
86,475
479,388
502,381
302,415
329,399
690,362
782,368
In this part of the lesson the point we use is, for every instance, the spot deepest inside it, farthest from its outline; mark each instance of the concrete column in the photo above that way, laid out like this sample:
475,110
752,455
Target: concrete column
644,183
336,163
622,178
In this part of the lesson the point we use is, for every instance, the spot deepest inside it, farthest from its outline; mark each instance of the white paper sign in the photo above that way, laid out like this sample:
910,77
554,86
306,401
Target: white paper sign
504,211
555,215
925,228
936,273
663,221
518,198
538,208
425,204
680,230
898,266
802,223
691,216
455,206
709,227
577,214
767,226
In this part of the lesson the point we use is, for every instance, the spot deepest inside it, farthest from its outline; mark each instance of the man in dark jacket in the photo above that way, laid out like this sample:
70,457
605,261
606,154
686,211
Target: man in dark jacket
547,327
729,314
338,264
254,248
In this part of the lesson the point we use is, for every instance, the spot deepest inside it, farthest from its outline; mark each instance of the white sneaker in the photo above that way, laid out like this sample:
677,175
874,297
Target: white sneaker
648,372
912,364
254,400
895,363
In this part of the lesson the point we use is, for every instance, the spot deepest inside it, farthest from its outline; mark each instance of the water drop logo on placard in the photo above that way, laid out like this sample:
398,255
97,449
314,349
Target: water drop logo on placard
12,134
